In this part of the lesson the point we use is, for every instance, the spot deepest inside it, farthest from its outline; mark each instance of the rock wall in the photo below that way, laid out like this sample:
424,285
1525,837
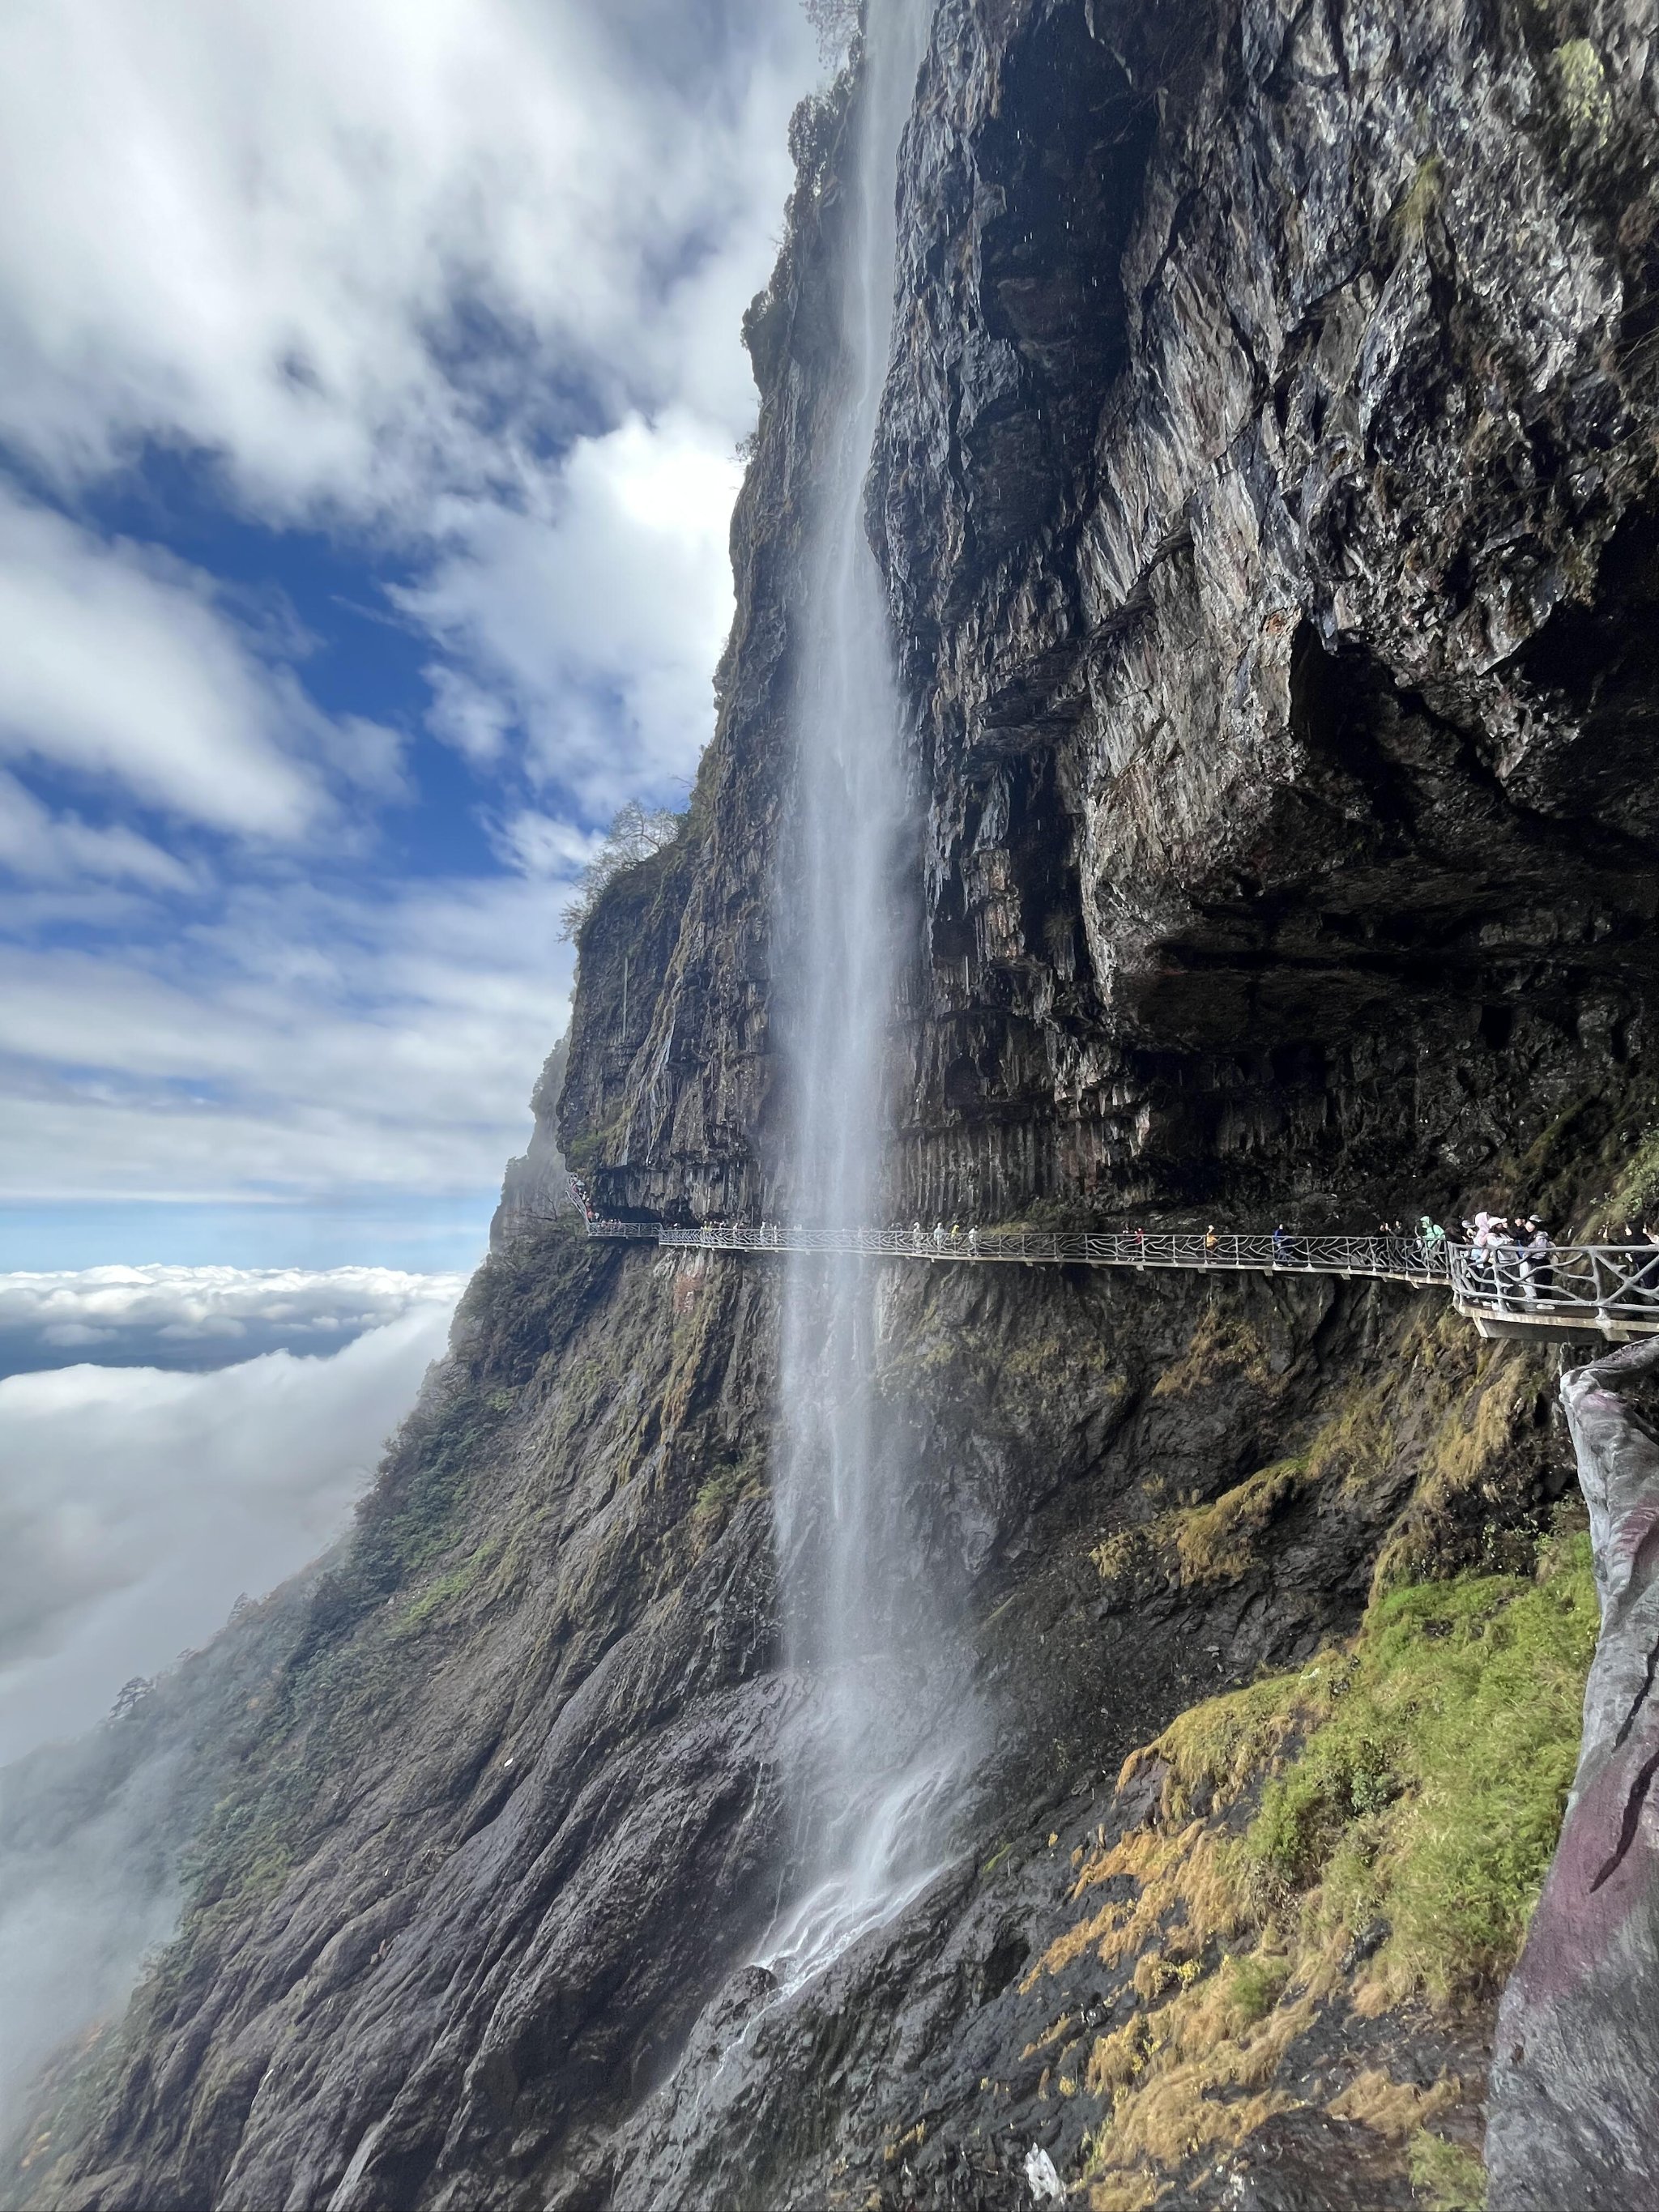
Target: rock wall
1575,2109
1265,486
536,1185
1264,489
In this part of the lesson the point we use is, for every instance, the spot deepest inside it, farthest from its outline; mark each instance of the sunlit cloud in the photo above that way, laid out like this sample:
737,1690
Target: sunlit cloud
337,246
599,608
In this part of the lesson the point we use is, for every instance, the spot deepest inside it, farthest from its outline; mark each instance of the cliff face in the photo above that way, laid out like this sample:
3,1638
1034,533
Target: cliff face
1264,488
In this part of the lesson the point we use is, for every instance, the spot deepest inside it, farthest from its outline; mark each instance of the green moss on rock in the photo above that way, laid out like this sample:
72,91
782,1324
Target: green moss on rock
1431,1792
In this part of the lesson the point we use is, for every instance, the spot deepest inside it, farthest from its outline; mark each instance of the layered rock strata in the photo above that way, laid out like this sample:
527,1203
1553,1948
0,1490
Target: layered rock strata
1264,484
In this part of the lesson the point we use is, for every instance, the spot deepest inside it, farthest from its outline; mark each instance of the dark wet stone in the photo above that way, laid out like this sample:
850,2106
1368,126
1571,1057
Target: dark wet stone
1575,2077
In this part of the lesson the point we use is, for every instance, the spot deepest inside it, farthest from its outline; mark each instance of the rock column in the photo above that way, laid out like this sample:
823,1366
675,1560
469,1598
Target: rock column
1574,2093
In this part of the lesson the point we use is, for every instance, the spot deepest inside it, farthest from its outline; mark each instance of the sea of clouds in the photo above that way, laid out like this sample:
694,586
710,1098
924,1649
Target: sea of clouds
200,1317
218,1446
141,1501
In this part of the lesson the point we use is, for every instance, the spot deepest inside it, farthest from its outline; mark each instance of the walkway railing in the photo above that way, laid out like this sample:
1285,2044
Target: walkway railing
1609,1289
1396,1259
1612,1289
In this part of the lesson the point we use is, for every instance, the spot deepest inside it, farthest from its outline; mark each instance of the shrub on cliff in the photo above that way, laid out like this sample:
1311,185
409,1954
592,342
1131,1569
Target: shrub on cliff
637,832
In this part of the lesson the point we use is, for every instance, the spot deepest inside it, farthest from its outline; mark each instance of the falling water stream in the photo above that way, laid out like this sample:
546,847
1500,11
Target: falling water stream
882,1740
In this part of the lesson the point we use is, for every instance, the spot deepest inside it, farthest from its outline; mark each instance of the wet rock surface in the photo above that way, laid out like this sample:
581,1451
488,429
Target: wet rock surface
1575,2083
1265,492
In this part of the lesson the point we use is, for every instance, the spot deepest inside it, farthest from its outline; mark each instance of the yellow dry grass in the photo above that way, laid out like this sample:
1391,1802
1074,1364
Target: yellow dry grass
1235,1937
1395,2110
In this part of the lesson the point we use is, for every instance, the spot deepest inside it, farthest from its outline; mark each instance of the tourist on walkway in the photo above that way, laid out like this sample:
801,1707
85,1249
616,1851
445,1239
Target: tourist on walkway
1509,1265
1540,1275
1483,1254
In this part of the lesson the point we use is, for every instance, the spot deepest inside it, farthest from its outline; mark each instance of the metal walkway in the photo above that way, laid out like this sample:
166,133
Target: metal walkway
1596,1291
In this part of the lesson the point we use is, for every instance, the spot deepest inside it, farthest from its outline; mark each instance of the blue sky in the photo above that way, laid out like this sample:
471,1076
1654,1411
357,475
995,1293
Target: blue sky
369,391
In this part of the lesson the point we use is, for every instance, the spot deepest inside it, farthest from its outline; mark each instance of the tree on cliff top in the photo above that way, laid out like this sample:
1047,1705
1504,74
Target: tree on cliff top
636,834
835,21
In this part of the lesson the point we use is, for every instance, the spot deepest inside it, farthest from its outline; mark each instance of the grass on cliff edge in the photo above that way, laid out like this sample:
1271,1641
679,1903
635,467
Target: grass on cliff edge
1428,1789
1415,1780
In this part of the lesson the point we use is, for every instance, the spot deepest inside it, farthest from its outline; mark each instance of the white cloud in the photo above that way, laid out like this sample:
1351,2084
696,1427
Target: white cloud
464,714
459,282
205,1316
600,608
391,263
337,245
80,1905
139,1503
116,665
542,845
304,1041
142,1506
40,847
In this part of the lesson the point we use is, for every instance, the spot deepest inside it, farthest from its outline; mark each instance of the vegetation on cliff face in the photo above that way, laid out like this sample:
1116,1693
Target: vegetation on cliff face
637,834
1331,1851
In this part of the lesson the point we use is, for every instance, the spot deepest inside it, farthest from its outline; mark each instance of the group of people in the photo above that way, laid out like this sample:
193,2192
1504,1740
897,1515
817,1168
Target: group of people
954,1240
1511,1254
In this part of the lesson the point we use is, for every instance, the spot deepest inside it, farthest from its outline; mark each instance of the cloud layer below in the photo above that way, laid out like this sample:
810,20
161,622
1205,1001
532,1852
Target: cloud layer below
140,1503
197,1318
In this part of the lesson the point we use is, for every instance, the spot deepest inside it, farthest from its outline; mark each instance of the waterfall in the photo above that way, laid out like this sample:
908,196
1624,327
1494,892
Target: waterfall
877,1756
